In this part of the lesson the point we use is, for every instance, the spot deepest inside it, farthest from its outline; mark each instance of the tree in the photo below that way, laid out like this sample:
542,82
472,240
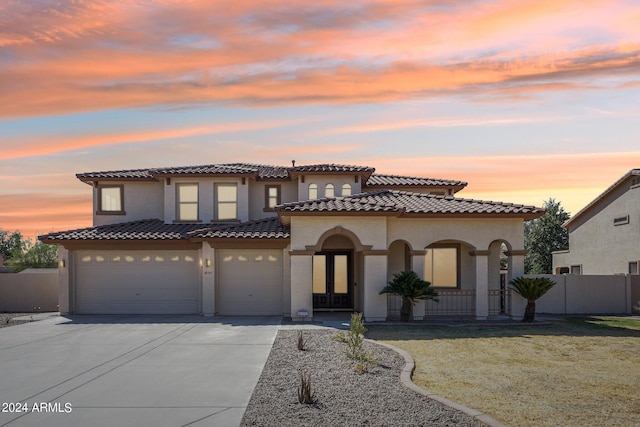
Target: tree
544,235
33,255
10,243
410,287
531,289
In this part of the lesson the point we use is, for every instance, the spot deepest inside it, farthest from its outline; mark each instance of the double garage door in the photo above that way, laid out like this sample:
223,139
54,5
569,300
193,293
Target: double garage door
249,282
137,282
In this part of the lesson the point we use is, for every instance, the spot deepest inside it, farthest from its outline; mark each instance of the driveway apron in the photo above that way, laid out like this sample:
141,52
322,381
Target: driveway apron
132,370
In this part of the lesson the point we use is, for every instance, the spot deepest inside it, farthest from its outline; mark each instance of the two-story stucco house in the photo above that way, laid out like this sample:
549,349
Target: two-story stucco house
604,237
242,239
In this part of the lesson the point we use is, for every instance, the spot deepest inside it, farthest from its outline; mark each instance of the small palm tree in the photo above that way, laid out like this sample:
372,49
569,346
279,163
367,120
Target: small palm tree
410,287
531,288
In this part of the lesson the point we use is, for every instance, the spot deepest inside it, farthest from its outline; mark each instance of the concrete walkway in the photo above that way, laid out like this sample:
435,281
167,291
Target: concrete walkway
132,370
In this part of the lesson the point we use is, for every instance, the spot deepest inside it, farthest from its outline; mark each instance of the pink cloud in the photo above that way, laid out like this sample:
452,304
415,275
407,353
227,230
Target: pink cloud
104,55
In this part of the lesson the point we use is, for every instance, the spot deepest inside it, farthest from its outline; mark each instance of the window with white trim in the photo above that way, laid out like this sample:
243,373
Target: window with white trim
346,190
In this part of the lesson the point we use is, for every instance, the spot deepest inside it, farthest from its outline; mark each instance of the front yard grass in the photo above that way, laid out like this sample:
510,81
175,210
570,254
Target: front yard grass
576,372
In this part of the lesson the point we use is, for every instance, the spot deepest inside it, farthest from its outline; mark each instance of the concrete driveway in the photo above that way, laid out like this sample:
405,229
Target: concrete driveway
132,370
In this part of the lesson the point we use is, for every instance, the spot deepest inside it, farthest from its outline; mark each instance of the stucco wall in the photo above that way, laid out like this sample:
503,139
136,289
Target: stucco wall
307,230
29,292
289,193
142,200
579,294
323,180
601,247
479,233
205,197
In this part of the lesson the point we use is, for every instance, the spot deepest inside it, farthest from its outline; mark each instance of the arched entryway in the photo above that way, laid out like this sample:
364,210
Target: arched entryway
333,274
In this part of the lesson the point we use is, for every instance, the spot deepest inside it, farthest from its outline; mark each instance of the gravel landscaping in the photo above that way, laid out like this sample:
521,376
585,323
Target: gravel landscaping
342,397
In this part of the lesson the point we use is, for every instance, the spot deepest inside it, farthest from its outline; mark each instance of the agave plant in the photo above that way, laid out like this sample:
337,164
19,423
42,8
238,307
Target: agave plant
531,288
410,287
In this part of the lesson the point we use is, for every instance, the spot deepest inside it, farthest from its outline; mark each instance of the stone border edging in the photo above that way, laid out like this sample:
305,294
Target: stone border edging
405,380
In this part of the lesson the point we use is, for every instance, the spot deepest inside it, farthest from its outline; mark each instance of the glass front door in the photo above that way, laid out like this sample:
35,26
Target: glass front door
332,282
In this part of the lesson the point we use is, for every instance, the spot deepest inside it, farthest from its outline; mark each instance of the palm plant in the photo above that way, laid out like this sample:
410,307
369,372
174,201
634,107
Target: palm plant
531,288
410,287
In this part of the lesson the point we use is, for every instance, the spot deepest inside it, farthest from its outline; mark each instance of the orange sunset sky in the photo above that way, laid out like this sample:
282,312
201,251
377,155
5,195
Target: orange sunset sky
525,100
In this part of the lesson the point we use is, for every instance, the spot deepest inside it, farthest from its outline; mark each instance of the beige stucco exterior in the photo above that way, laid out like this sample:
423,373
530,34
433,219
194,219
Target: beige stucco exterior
599,245
377,243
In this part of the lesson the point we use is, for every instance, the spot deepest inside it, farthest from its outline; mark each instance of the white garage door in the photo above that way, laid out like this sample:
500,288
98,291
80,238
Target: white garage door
250,282
137,282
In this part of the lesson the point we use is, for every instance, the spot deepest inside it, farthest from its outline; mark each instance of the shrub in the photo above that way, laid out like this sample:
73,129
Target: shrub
306,394
354,340
301,341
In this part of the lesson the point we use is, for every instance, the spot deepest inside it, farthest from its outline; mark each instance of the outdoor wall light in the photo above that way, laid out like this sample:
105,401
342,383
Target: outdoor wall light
62,263
208,262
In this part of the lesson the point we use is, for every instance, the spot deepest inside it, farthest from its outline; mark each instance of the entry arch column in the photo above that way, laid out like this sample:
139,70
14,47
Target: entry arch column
482,283
375,275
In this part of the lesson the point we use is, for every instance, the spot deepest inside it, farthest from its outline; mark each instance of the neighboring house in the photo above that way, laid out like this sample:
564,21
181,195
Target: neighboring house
604,237
243,239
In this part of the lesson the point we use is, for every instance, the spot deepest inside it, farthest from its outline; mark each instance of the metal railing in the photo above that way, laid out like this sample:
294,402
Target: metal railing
499,301
452,303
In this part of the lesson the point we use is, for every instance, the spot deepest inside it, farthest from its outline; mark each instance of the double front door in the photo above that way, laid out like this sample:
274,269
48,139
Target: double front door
332,280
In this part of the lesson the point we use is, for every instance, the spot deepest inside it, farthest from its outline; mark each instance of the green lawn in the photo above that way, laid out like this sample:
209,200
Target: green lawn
577,372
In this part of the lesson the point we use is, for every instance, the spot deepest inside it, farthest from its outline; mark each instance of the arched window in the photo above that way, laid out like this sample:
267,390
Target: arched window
346,189
313,191
329,191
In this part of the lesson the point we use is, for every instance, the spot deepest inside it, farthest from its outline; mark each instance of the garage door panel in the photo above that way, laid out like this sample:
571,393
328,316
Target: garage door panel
137,282
250,282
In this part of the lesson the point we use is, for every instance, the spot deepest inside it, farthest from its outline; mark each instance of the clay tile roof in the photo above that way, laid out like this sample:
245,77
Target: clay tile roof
404,181
151,229
268,228
408,203
364,202
330,167
121,174
220,169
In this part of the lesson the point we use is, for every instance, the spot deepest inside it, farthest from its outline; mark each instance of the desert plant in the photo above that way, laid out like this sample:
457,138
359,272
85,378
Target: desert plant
301,341
306,394
354,340
410,287
531,288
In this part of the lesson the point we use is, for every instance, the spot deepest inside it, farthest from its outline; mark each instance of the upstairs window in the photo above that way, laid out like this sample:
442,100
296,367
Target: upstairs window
111,200
226,202
187,197
633,267
346,189
313,191
576,269
329,190
271,196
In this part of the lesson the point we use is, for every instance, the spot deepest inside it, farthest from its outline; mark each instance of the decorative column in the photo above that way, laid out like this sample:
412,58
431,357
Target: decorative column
301,284
207,257
482,283
517,304
417,265
375,278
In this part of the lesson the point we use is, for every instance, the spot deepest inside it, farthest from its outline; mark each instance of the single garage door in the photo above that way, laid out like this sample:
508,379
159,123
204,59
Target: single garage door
137,282
250,282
